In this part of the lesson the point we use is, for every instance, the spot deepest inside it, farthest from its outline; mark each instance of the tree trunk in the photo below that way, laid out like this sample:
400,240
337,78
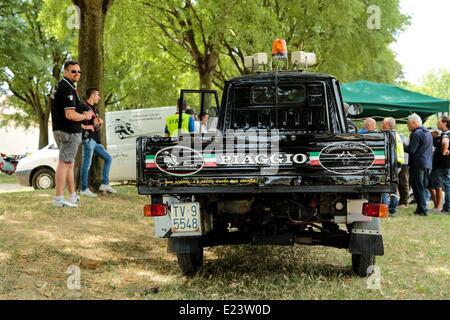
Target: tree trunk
206,74
205,80
43,131
90,57
207,68
43,118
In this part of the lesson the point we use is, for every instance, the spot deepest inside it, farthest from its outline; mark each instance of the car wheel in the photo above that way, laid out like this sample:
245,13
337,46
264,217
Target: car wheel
361,263
190,262
43,179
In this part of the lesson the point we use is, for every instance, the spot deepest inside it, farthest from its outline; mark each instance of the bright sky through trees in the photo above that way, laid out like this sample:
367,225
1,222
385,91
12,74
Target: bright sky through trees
425,45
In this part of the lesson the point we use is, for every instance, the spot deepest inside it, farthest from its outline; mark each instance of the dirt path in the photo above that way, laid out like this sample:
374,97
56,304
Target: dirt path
13,187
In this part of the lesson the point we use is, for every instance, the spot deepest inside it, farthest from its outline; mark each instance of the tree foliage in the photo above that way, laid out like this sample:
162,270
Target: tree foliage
154,48
138,73
436,84
215,35
30,60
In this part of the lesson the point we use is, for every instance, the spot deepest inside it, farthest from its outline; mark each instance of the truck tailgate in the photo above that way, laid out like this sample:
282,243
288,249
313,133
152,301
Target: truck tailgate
285,163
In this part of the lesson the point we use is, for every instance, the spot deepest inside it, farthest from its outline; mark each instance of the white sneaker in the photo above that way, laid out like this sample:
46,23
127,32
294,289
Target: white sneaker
62,203
88,193
107,188
74,199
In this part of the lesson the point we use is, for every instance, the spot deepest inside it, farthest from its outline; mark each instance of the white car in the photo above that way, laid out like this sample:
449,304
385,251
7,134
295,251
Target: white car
38,169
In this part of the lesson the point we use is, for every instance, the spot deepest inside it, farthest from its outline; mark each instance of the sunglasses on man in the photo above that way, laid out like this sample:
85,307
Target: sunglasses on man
75,71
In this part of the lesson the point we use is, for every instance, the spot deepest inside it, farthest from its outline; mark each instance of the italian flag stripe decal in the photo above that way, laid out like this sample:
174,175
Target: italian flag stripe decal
314,159
380,157
150,161
210,160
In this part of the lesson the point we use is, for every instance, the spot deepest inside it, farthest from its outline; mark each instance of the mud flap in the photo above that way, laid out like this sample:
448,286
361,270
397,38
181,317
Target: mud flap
183,245
366,238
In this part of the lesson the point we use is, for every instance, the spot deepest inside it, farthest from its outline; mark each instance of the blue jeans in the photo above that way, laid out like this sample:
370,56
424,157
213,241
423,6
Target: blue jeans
391,201
446,183
419,183
90,146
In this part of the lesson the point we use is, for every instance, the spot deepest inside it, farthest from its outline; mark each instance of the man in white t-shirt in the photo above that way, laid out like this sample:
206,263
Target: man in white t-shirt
203,117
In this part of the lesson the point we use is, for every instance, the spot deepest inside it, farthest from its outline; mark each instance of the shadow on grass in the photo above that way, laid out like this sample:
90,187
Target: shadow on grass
266,261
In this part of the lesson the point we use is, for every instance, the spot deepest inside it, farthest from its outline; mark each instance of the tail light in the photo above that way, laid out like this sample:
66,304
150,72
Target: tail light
155,210
375,210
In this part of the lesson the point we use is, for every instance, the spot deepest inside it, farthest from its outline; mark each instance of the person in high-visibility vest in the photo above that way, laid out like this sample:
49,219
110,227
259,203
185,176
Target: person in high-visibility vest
392,200
403,177
172,122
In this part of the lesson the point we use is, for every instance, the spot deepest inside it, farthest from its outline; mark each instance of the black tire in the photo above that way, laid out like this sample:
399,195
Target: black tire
361,262
43,179
190,262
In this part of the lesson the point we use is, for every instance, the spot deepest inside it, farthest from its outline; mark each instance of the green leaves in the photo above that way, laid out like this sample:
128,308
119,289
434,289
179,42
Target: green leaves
30,60
145,66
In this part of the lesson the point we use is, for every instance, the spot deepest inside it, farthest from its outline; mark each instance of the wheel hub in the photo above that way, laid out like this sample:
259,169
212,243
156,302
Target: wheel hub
44,182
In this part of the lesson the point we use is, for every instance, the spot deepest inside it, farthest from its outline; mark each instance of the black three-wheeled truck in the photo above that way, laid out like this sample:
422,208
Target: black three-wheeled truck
279,168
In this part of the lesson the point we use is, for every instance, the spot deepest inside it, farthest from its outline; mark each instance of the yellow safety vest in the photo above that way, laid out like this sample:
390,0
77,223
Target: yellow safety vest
399,149
172,124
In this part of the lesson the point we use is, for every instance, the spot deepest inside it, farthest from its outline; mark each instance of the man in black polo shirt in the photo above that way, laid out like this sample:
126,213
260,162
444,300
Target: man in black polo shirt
66,122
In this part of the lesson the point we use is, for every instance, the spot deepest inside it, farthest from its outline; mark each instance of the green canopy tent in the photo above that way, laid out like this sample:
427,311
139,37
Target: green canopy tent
380,100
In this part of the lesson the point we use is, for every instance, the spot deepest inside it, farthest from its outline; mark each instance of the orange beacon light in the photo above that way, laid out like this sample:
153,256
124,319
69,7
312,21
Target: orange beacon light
279,49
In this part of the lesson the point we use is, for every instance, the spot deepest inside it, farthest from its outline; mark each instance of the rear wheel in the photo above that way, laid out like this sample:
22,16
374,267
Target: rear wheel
43,179
361,263
190,262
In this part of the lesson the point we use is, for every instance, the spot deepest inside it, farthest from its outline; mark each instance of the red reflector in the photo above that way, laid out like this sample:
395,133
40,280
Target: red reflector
155,210
375,210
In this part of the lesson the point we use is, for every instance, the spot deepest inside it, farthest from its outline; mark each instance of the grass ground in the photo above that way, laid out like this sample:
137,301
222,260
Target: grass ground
111,242
4,178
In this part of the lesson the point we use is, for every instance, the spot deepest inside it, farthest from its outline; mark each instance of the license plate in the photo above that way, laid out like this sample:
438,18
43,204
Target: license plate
185,217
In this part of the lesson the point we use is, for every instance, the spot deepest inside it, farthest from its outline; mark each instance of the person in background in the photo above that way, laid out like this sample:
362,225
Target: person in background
370,125
403,178
442,154
435,183
172,122
191,113
420,151
392,200
203,117
66,122
91,145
